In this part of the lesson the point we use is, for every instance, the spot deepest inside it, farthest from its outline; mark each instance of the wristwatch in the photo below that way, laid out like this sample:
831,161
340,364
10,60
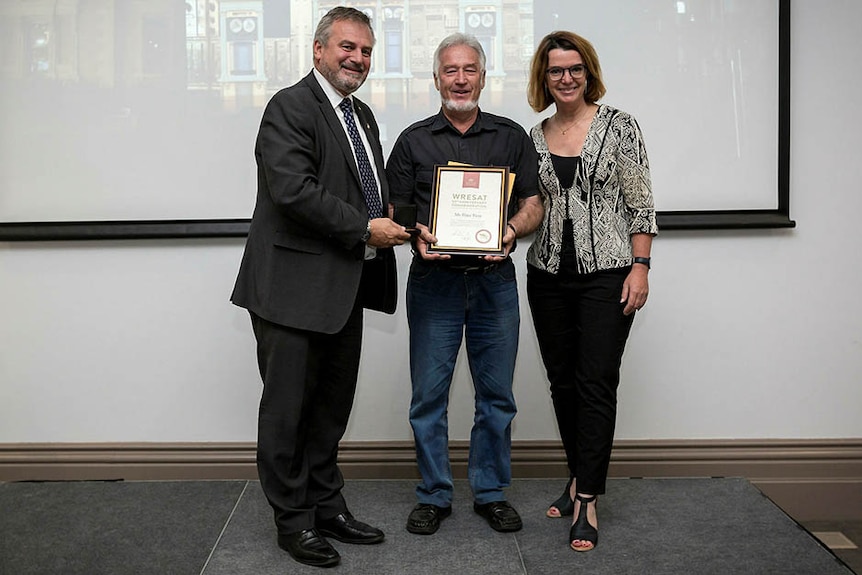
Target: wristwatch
367,235
644,261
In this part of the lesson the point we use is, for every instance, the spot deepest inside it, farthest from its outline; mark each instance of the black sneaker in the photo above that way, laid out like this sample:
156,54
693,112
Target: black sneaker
500,515
425,518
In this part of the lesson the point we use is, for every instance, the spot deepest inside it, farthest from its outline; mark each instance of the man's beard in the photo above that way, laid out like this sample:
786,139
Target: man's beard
454,106
345,85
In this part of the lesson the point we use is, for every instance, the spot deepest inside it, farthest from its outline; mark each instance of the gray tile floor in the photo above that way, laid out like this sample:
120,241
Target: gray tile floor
655,526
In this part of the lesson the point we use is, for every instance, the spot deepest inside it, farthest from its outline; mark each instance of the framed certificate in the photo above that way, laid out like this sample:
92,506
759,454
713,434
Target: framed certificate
469,207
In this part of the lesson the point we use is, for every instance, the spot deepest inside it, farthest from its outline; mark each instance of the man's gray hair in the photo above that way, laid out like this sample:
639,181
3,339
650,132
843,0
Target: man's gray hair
459,39
337,14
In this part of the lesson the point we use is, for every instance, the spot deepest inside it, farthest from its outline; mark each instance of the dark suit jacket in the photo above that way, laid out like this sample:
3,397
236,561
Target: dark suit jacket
303,260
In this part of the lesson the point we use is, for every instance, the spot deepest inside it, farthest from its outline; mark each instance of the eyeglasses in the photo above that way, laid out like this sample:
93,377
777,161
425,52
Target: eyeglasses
577,71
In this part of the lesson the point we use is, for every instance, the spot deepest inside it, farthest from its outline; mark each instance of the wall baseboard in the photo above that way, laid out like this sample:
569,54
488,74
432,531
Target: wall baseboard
809,479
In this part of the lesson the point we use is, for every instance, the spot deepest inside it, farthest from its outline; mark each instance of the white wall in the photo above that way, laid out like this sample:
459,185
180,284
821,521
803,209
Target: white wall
754,334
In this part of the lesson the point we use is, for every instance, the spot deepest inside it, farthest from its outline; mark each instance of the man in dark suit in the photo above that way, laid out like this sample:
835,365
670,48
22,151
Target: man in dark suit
319,249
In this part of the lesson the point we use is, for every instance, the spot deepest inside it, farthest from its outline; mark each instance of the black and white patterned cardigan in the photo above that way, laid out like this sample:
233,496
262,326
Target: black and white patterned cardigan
610,200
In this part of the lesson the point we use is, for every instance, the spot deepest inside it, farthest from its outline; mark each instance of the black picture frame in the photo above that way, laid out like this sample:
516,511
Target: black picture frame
502,202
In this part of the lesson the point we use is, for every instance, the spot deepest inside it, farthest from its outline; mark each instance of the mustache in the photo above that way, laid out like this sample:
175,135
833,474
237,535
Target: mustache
353,67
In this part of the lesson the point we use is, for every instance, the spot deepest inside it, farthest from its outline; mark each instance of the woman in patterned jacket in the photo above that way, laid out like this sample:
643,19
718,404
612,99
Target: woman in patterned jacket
588,264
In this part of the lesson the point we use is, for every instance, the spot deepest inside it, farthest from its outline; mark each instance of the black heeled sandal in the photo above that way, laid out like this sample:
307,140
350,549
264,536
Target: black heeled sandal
564,503
581,529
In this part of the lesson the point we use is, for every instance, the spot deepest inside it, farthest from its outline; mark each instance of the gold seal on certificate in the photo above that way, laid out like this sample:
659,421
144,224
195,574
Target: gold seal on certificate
469,209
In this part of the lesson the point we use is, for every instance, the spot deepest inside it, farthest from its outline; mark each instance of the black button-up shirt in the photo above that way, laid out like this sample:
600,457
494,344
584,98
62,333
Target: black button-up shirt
490,141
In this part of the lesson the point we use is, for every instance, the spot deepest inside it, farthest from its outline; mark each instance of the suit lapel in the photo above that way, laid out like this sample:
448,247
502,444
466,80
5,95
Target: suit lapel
334,124
365,119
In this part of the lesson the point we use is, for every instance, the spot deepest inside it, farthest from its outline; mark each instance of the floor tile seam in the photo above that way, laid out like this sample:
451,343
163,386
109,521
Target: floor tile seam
224,528
520,555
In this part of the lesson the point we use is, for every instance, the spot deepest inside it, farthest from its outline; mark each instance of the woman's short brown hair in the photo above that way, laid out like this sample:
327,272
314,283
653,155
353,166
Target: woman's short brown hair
538,94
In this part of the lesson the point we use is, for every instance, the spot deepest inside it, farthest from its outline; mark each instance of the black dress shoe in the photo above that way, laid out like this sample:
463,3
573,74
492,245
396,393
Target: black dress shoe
346,529
425,518
308,547
500,515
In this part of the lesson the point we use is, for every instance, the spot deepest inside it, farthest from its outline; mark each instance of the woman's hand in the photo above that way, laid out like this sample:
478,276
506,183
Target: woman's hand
635,289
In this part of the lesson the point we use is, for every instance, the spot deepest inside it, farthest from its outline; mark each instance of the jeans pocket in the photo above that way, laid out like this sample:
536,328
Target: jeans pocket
420,270
505,272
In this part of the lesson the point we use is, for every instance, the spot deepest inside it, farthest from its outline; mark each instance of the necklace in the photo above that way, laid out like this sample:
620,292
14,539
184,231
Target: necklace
563,131
572,125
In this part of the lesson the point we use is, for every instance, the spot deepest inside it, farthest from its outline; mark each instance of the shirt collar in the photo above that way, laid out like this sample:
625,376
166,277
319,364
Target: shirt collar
331,93
483,122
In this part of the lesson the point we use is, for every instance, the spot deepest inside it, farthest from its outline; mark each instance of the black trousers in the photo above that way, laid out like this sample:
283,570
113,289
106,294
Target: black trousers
309,380
582,334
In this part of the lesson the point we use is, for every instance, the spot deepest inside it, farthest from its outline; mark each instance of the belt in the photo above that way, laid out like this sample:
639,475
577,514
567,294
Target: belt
477,269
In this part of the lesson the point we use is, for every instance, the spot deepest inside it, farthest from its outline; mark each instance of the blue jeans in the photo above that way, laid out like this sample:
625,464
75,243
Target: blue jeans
442,305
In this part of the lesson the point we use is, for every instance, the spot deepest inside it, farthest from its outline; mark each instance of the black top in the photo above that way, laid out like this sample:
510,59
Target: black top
565,167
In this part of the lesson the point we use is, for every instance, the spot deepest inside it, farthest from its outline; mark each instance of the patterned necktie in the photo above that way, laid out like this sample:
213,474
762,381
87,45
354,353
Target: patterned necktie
366,175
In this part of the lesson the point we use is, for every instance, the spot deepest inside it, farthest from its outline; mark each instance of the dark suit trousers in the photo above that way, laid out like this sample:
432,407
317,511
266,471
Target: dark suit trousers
582,334
309,380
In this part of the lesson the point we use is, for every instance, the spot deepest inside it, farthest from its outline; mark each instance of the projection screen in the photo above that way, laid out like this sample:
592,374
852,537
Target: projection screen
137,118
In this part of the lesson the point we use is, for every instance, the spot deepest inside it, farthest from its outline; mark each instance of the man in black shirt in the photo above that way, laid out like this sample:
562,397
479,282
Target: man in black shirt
448,296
